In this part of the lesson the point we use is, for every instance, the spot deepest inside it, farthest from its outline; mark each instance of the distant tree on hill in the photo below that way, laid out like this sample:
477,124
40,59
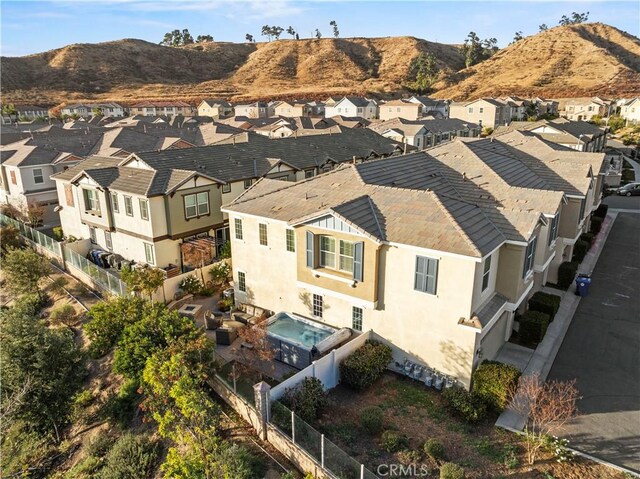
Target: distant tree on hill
543,27
187,39
248,37
172,39
291,31
204,38
336,32
476,50
276,32
318,34
424,72
574,19
266,32
517,37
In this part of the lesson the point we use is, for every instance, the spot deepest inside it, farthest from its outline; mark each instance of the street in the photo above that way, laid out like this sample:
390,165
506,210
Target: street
601,350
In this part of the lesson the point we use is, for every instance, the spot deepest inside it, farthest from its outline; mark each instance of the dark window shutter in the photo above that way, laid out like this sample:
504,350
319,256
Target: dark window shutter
420,274
358,254
432,276
310,249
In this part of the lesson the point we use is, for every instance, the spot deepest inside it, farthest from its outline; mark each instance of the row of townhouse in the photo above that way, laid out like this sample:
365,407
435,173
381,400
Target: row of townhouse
25,113
584,109
151,206
425,133
494,112
86,110
435,251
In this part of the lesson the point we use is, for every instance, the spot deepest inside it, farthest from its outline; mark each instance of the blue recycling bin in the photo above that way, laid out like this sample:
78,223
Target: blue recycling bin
582,284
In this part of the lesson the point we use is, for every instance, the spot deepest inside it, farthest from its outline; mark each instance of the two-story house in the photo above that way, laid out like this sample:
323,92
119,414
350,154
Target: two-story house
293,109
353,106
584,109
215,108
162,108
258,109
176,194
432,107
425,133
486,112
630,110
400,109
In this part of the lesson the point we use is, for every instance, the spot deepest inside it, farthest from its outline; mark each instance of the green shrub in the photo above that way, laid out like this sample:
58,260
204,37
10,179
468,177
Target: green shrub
588,238
533,326
63,314
596,225
545,303
493,381
57,233
100,445
131,456
220,273
372,419
365,365
119,408
450,470
307,399
466,405
580,251
434,449
601,212
566,273
191,285
237,462
392,441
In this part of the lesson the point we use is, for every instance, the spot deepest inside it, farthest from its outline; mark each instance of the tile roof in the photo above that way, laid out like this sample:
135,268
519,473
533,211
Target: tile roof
490,308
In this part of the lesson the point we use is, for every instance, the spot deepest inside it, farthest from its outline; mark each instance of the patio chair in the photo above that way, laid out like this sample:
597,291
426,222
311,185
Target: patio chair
212,321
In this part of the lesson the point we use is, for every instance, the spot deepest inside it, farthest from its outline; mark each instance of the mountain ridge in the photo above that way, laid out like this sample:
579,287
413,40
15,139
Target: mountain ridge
577,60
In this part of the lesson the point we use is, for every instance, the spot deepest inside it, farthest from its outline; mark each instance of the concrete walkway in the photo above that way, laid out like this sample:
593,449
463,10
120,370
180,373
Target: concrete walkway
542,358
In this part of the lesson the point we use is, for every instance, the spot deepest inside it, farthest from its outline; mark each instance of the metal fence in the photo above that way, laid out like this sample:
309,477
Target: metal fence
63,257
330,457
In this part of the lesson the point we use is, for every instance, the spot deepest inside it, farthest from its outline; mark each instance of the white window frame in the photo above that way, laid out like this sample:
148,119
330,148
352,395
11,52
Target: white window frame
357,315
529,257
317,304
237,227
114,202
553,228
128,205
144,211
200,199
325,253
345,261
242,281
108,241
290,240
93,235
248,183
91,200
226,188
263,234
486,273
309,174
41,176
149,253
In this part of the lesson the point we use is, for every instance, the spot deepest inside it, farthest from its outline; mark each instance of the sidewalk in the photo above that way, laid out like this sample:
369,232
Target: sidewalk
544,355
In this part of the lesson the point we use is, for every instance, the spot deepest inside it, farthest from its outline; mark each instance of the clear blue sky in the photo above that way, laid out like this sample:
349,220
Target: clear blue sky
35,26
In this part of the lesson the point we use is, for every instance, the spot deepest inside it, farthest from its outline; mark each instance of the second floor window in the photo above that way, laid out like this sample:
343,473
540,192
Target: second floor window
247,184
426,275
114,202
309,173
226,188
346,256
327,252
486,273
291,240
144,209
38,178
553,229
91,201
262,231
196,205
128,205
529,256
238,228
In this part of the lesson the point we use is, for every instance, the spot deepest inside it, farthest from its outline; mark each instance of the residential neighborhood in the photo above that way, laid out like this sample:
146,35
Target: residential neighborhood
299,241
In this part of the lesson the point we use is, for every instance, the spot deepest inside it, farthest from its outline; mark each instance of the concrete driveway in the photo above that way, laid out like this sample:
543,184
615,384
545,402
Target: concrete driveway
602,352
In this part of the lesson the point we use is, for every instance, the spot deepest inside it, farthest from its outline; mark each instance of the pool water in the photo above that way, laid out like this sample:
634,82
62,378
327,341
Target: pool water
297,331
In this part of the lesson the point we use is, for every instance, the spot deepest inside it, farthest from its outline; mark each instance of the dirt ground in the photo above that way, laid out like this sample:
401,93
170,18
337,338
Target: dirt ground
419,413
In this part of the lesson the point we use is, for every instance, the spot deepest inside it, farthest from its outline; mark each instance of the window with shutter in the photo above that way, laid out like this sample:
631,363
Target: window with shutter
310,250
358,255
426,275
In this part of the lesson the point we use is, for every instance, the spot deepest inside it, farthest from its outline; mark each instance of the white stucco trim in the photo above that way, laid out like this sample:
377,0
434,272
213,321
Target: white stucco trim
433,253
540,269
514,306
327,292
246,215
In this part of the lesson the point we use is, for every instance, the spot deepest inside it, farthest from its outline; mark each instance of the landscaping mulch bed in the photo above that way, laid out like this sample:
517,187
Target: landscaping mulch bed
419,413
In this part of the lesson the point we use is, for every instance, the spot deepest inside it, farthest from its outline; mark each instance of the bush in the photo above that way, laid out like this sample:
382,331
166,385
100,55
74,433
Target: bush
57,233
119,408
307,399
434,449
225,304
533,326
220,273
372,419
588,238
450,470
466,405
545,303
566,272
580,251
596,225
365,365
191,285
131,456
493,381
601,212
237,462
63,314
392,441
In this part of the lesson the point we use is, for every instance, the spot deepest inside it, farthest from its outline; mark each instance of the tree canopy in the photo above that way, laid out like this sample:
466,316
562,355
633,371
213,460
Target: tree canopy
271,31
334,25
142,280
23,269
476,50
424,71
574,19
177,38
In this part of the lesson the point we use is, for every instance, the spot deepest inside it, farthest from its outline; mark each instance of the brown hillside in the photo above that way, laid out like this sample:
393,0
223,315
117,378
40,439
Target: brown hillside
131,69
578,60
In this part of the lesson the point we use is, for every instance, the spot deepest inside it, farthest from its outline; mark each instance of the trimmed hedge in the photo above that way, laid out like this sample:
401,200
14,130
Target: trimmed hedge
566,272
545,303
596,225
587,237
601,212
580,251
464,404
494,381
365,365
533,326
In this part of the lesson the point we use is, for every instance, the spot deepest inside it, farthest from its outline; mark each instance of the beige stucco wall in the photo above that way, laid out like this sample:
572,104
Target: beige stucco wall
509,280
409,112
489,117
181,226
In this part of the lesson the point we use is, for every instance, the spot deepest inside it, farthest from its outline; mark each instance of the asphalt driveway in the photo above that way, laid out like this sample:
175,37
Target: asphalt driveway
602,352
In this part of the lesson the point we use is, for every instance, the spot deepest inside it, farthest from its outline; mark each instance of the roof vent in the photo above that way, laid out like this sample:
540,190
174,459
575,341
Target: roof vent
464,176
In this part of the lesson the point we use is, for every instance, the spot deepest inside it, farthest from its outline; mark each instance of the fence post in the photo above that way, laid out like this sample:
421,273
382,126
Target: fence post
261,393
293,427
322,451
361,471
